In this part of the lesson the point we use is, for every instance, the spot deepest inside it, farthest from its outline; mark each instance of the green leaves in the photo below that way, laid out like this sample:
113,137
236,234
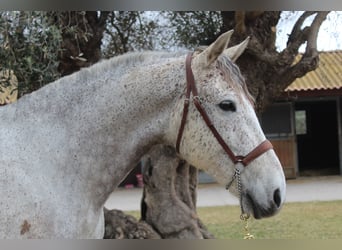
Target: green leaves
29,45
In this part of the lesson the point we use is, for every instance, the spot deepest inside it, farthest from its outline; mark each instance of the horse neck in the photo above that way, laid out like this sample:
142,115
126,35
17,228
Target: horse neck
91,128
126,116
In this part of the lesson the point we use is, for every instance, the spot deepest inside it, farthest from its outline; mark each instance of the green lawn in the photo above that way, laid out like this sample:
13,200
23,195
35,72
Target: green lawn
307,220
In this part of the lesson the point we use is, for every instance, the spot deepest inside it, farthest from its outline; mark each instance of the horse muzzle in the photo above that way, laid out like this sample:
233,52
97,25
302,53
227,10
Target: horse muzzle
260,211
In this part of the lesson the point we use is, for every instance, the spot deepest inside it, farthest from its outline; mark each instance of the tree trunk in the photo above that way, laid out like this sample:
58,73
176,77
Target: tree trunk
169,198
119,225
168,205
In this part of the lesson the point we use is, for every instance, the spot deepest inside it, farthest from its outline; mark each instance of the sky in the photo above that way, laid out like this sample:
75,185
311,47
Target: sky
329,36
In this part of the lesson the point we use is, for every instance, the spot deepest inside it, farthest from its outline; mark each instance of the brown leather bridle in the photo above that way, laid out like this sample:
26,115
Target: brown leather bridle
191,88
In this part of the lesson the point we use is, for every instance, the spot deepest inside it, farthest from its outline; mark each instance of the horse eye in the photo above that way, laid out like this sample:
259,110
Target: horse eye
227,106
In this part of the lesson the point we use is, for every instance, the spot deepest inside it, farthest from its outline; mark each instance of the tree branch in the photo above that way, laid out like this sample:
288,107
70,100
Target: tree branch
310,59
297,28
275,71
311,46
299,36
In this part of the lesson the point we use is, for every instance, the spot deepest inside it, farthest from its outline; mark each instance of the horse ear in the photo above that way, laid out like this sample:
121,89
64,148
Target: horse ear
235,52
210,54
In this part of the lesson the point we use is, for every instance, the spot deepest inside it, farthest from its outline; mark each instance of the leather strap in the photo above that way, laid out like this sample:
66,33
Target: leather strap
189,79
255,153
191,87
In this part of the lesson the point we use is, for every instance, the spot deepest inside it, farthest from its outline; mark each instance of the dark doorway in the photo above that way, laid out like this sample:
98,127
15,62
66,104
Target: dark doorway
317,138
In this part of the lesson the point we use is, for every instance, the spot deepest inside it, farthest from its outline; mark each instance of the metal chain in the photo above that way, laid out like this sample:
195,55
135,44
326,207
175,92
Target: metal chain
244,216
233,179
248,235
239,187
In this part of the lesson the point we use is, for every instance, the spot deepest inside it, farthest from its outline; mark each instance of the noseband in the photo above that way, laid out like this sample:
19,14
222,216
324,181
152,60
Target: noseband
191,88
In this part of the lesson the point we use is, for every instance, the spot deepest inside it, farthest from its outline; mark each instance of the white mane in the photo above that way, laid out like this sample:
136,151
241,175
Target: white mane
127,61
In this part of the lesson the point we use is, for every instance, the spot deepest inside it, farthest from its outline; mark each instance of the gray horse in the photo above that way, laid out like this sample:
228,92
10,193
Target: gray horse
65,147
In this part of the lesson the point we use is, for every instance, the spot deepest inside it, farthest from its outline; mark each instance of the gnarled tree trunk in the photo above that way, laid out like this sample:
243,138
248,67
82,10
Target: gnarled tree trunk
169,199
119,225
168,205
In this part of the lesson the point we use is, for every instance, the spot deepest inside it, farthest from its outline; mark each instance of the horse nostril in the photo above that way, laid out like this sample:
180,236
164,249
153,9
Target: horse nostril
276,197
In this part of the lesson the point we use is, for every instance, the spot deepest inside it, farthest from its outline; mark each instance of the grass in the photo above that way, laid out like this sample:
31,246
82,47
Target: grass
307,220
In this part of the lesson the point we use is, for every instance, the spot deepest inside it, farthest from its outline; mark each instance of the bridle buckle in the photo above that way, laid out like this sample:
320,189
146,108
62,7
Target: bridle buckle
239,159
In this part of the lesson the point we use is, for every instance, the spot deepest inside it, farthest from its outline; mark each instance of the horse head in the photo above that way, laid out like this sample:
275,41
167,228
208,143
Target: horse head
219,91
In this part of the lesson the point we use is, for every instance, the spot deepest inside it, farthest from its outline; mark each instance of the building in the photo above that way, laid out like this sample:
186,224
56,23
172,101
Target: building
305,124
